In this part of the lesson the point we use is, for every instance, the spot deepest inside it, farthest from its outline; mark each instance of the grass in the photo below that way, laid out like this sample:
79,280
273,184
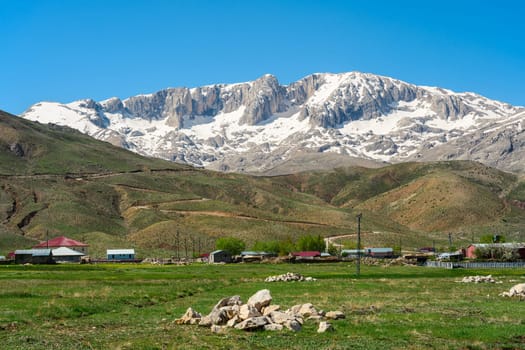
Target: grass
133,307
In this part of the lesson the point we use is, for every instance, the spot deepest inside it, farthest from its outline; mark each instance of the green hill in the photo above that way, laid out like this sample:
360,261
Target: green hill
56,181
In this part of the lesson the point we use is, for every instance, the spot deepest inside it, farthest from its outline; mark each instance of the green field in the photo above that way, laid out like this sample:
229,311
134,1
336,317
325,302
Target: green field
134,306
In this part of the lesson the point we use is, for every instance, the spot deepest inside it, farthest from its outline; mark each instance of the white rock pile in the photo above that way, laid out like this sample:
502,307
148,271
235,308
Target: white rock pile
289,277
478,279
516,291
258,314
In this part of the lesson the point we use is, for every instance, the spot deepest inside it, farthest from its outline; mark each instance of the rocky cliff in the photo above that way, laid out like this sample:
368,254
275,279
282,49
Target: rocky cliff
259,125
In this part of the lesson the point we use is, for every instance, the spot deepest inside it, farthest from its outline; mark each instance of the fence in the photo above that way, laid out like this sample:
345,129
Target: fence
476,265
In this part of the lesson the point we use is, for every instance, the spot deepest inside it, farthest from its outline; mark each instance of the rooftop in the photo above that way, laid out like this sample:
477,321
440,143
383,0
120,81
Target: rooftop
61,242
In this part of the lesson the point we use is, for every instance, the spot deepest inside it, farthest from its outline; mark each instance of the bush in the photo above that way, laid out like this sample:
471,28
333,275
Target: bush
232,245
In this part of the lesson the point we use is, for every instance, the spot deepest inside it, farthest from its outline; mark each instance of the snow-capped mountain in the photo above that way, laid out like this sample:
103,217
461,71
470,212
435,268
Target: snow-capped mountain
257,126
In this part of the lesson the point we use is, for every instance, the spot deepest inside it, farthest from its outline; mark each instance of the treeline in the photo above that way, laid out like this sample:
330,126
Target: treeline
235,245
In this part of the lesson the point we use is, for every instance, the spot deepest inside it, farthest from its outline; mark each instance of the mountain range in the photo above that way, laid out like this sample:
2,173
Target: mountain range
321,121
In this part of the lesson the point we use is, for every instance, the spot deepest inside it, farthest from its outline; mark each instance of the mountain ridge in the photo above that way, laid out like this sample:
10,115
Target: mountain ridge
257,126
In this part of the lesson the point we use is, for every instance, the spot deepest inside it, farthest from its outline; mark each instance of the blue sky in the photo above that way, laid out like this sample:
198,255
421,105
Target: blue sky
68,50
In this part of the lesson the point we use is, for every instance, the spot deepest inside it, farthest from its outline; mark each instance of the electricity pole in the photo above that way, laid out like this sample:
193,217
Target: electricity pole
358,263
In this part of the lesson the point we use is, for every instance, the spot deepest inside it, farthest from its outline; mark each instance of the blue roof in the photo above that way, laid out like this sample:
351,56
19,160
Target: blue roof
33,252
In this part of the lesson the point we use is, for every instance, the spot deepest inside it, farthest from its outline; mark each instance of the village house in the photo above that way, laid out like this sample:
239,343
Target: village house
59,242
33,256
220,256
120,254
247,256
64,254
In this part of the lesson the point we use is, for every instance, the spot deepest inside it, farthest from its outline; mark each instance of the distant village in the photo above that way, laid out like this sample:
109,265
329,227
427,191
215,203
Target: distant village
66,250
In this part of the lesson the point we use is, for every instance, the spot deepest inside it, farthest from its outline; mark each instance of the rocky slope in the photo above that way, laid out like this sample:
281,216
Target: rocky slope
262,125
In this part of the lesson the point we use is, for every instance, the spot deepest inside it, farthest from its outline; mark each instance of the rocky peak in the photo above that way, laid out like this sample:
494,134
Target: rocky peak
112,105
261,124
265,98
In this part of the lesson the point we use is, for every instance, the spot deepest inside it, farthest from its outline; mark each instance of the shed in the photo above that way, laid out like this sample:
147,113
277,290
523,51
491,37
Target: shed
64,254
120,254
248,255
380,252
62,241
352,253
306,254
219,256
33,256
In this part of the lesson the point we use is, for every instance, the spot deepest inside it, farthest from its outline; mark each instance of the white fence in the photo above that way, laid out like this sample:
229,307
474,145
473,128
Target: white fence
476,265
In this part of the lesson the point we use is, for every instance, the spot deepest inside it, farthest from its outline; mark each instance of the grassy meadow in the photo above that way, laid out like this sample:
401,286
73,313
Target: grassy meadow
134,307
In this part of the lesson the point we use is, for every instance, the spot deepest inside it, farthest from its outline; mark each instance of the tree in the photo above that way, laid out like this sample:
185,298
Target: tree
309,243
232,245
267,246
333,250
282,247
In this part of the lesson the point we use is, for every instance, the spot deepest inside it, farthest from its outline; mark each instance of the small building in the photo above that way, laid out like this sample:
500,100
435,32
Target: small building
352,253
379,252
307,254
64,254
220,256
33,256
59,242
120,254
248,255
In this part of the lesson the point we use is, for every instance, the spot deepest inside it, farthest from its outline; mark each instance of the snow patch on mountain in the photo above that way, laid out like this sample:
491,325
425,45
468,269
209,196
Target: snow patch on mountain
351,114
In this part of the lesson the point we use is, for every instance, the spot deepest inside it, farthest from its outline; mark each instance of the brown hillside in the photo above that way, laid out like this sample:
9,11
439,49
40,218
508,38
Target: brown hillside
438,202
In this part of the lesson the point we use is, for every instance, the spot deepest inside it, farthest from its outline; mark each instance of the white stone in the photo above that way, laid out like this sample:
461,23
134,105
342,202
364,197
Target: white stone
190,317
260,299
324,326
253,323
335,315
281,317
273,327
293,325
307,310
248,311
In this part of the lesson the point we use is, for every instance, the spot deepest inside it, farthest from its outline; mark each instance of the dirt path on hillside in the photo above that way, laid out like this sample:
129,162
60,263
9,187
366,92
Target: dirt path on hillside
224,214
331,240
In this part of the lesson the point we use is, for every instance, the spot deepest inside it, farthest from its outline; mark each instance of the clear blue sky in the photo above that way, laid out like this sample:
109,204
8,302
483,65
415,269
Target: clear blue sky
68,50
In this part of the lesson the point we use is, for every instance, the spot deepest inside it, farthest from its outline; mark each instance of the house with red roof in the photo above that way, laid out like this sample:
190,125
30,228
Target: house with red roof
62,241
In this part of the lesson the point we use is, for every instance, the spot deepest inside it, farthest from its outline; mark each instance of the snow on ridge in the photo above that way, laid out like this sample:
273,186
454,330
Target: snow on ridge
331,84
407,126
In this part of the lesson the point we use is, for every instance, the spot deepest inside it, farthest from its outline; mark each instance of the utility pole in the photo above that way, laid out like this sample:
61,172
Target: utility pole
358,263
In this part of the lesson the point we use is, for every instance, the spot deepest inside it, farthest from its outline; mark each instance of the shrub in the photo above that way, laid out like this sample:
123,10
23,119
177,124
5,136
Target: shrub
232,245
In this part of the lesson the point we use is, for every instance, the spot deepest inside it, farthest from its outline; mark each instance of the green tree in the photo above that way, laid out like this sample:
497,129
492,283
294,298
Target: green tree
267,246
333,250
310,242
232,245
